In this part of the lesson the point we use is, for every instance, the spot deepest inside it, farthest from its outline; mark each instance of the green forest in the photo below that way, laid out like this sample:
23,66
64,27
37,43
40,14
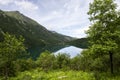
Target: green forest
100,61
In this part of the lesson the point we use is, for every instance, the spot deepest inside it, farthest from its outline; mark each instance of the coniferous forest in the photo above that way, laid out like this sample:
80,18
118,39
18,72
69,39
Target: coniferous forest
100,60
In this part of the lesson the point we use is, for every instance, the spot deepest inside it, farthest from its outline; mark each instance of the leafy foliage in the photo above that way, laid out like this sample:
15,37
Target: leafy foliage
10,50
104,33
46,61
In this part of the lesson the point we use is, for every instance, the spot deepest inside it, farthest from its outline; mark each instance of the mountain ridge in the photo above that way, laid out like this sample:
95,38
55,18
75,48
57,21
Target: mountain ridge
35,34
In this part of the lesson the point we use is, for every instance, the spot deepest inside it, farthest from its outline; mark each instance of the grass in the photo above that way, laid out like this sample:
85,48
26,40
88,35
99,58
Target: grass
54,75
38,74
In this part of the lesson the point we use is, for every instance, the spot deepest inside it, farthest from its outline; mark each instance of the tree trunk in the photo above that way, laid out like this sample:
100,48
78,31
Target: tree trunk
111,62
6,73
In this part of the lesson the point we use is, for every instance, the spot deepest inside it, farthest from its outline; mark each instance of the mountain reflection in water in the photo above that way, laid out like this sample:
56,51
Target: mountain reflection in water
71,50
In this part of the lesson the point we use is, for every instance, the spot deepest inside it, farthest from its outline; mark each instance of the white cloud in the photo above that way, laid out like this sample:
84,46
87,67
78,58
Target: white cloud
78,32
26,5
118,4
20,4
5,2
71,14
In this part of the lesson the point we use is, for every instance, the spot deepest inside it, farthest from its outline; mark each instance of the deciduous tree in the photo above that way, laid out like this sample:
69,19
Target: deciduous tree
10,50
104,33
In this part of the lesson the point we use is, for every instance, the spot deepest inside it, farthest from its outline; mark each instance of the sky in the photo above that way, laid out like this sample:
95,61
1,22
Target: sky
68,17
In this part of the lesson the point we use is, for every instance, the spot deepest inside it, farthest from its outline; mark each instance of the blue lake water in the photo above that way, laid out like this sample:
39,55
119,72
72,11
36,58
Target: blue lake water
71,50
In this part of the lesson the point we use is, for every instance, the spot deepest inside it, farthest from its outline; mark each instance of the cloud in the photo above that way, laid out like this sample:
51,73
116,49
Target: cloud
19,4
75,32
26,5
68,15
5,2
118,4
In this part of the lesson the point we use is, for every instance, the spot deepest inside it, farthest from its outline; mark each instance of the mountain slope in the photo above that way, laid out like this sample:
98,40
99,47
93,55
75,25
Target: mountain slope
35,34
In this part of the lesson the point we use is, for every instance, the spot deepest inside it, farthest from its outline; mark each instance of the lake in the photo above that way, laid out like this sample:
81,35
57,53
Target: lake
71,50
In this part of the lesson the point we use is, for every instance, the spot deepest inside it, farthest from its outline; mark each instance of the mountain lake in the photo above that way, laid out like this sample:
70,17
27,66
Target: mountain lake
56,49
71,50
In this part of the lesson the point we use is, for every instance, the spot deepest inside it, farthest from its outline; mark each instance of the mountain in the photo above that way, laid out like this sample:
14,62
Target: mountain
35,34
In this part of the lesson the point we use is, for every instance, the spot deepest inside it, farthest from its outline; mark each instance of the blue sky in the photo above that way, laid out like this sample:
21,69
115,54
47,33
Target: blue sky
68,17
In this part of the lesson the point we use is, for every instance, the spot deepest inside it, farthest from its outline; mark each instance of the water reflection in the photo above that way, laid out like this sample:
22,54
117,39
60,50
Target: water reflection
35,51
71,50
